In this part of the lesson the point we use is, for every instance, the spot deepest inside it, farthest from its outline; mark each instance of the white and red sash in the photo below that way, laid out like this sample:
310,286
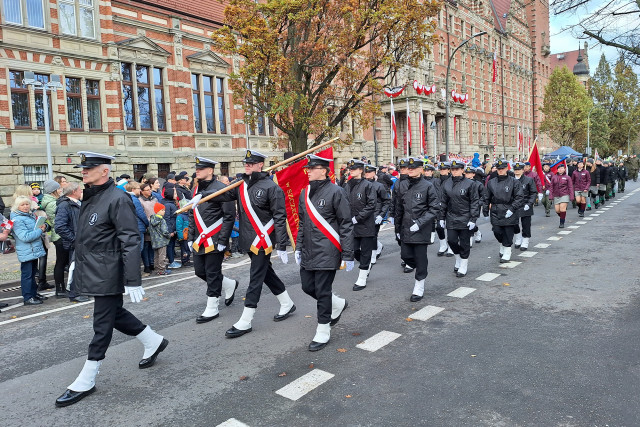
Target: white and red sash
262,240
322,224
205,234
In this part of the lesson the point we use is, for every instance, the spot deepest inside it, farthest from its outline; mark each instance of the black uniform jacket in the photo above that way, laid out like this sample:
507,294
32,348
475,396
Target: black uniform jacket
267,199
107,246
317,251
383,199
480,188
210,212
362,199
399,188
503,193
529,192
419,205
460,203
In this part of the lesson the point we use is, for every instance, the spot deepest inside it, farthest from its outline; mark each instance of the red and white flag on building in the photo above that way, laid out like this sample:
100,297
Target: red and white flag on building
393,92
494,67
520,142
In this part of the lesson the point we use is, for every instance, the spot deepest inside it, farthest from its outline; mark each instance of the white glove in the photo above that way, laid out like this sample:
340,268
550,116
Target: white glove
471,225
135,292
221,247
547,192
526,207
283,256
414,227
392,220
378,220
195,200
398,236
354,220
298,257
540,197
349,265
442,223
190,244
70,276
508,214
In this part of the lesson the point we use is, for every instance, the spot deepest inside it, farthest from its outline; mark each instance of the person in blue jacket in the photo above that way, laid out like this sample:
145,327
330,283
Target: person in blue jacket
29,248
133,189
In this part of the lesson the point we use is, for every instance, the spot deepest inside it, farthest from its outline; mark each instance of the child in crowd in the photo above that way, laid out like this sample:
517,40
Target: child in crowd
159,233
235,233
182,228
29,247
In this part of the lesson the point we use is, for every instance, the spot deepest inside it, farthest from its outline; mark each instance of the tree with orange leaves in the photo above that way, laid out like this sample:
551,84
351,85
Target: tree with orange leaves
308,65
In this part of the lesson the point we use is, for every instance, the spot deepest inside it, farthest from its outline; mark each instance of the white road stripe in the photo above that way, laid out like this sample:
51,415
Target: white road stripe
587,219
232,422
542,245
565,232
554,238
426,313
595,214
487,277
574,226
303,385
510,264
528,254
581,222
461,292
378,341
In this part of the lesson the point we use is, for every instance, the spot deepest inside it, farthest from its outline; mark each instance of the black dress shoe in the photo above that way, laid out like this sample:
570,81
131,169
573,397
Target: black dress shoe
458,274
337,319
235,332
148,362
449,255
62,295
408,269
415,298
45,286
32,301
403,264
4,305
69,397
228,301
79,298
588,208
561,226
441,253
41,297
315,346
504,261
359,288
279,317
205,319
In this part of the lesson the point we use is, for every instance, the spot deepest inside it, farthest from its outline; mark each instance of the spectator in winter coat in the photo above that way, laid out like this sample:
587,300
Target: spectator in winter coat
133,189
66,224
48,205
159,238
182,230
35,191
169,203
148,202
29,248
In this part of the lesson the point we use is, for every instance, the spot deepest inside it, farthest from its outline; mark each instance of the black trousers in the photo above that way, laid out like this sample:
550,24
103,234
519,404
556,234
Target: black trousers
460,241
208,267
42,267
363,247
62,259
526,226
317,284
440,231
261,271
415,256
504,234
107,315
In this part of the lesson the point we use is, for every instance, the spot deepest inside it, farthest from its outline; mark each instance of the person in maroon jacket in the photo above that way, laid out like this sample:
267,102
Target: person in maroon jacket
581,179
561,192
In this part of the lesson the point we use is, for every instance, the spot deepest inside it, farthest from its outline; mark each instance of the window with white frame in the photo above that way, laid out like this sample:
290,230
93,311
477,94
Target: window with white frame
29,13
77,18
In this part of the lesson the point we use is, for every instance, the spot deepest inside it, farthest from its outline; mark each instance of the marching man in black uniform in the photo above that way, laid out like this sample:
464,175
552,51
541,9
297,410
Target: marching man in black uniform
414,223
263,226
399,189
210,226
325,239
107,265
504,196
529,192
445,169
383,202
478,184
459,214
362,199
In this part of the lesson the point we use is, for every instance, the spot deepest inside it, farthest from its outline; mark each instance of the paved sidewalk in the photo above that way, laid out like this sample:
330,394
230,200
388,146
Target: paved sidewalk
10,266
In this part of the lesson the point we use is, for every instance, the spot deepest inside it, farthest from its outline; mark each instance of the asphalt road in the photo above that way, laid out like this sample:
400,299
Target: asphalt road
552,341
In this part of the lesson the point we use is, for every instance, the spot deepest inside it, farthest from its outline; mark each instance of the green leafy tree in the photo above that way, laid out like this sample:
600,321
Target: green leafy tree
310,65
599,132
565,107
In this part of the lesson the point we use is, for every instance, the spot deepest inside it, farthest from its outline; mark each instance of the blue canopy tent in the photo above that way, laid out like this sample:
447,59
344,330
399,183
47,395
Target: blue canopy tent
562,152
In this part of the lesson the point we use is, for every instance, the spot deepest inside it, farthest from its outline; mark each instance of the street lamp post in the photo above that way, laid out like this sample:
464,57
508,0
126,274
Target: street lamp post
589,130
446,90
53,85
628,135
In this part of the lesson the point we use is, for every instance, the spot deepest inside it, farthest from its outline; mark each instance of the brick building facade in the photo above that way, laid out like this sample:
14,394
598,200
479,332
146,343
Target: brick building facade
141,81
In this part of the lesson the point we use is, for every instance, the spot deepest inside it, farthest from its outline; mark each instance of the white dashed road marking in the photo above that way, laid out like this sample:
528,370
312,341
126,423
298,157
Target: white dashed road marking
303,385
581,222
542,245
554,238
487,277
574,226
587,219
426,313
565,232
510,264
528,254
378,341
232,422
595,214
461,292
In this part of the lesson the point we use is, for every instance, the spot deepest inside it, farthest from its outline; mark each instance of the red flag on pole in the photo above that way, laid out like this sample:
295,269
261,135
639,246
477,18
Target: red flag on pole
423,142
408,129
534,159
494,67
293,179
394,131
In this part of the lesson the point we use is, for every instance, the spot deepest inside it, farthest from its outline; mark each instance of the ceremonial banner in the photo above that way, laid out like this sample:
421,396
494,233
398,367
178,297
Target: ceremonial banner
293,179
534,159
554,167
